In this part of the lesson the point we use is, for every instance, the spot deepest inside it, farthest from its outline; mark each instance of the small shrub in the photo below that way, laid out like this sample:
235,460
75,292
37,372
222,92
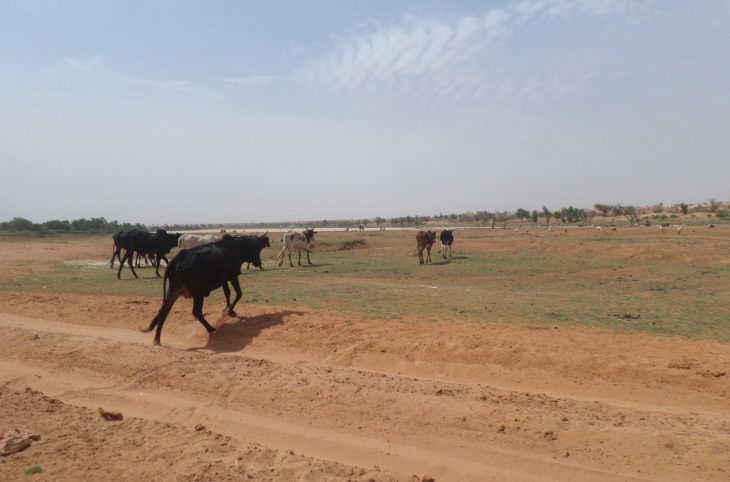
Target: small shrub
36,469
354,244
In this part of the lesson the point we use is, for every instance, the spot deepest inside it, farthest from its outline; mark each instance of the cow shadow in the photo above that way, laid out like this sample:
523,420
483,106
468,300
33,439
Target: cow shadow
460,257
439,263
233,336
314,265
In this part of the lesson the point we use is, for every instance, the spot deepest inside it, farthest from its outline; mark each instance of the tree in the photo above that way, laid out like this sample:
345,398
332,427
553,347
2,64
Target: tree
21,224
546,212
534,215
604,208
713,204
683,208
57,225
589,213
522,214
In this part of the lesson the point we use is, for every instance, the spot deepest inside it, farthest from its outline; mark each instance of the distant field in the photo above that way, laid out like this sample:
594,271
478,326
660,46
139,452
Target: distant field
633,279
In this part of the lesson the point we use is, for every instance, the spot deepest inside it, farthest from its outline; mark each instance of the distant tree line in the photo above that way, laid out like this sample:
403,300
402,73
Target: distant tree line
564,215
81,225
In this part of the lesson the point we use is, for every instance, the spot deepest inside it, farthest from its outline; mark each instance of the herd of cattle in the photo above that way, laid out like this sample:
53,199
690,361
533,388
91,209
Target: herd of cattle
206,263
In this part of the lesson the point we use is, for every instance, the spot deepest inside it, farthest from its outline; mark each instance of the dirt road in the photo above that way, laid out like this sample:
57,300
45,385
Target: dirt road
297,395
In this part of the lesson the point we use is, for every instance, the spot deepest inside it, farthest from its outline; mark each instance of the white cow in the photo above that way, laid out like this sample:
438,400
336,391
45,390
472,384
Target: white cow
296,241
188,241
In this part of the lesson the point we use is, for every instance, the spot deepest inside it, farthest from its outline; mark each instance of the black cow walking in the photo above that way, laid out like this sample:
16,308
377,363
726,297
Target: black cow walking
195,272
447,239
156,245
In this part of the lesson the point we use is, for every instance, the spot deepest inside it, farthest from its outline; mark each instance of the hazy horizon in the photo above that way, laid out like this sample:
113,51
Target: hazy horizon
228,112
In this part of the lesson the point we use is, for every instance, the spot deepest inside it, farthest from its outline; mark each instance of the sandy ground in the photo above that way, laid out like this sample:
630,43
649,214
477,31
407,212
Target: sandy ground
287,394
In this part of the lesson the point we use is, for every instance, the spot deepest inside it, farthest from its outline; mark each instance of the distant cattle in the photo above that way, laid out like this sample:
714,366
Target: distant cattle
196,272
447,240
296,241
156,245
117,252
425,240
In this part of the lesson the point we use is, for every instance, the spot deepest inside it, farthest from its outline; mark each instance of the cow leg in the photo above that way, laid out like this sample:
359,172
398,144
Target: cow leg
308,260
428,254
420,254
198,312
248,265
281,255
290,263
159,320
131,265
299,263
167,263
157,258
128,255
227,294
115,253
237,287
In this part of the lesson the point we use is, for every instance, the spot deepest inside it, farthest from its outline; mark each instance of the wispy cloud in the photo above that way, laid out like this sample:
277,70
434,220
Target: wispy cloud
86,65
441,57
177,86
173,85
253,79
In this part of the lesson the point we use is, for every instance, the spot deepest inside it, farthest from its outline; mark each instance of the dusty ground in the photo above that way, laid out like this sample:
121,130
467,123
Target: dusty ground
287,392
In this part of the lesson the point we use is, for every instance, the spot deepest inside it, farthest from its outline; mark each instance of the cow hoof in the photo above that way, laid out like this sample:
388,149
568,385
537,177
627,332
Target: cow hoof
156,342
232,313
145,330
211,331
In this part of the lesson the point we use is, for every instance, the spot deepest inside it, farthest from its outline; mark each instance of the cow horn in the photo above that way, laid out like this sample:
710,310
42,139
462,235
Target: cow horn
267,232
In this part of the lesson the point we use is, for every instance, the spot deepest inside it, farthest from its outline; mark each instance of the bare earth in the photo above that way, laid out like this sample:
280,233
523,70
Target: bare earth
285,393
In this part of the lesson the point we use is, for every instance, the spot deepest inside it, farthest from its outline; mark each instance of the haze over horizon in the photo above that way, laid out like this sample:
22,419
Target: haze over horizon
222,112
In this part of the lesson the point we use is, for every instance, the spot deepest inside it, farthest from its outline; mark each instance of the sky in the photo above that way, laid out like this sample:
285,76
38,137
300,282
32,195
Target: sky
244,111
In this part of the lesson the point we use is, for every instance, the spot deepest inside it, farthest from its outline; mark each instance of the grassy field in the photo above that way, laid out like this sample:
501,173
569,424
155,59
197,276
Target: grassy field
635,279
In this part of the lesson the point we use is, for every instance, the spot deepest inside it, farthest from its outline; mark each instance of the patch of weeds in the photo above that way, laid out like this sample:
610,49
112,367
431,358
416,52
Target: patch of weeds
36,469
352,244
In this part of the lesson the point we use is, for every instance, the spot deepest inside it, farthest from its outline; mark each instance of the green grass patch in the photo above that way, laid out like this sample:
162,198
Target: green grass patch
586,281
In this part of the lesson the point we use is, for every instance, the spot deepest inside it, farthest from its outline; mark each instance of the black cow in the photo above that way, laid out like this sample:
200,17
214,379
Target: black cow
195,272
268,245
447,239
156,245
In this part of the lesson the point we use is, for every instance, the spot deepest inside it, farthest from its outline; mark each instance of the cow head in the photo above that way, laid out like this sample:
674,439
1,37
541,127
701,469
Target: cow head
249,248
309,234
265,239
